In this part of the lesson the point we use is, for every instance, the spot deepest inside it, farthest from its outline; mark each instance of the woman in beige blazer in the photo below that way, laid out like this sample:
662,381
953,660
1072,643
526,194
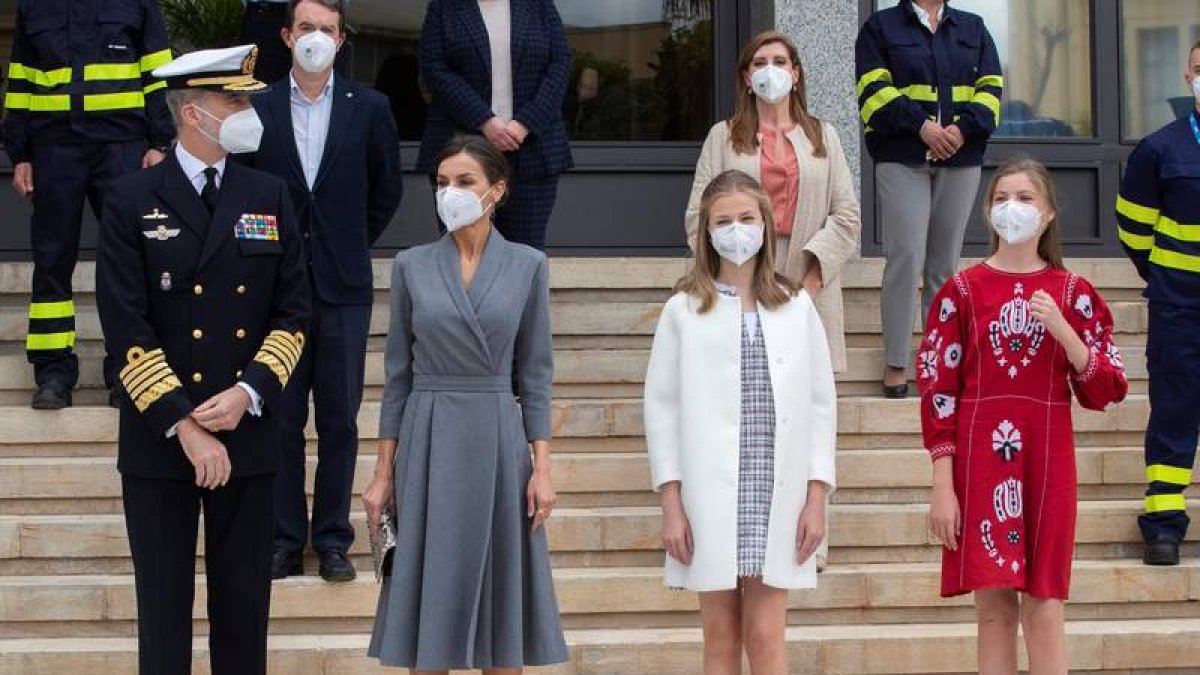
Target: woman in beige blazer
824,232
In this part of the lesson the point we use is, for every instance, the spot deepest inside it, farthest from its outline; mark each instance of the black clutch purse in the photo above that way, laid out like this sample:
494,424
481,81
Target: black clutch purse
383,544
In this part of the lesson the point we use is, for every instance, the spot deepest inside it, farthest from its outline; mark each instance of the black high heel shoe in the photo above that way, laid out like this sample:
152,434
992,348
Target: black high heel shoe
895,390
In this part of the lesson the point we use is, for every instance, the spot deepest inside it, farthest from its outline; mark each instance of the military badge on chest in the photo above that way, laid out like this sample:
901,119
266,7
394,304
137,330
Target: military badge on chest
256,227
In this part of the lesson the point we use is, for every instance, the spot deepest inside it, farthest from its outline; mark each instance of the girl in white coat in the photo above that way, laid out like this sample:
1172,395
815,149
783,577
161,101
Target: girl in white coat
740,426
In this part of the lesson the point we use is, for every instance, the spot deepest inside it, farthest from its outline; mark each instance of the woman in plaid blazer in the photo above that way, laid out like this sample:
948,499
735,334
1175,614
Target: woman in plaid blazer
500,68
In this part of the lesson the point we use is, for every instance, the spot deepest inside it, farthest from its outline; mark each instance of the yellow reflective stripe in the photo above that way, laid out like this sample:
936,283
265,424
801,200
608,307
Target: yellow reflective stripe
1136,212
988,101
920,92
1174,260
55,103
150,89
111,71
1137,242
121,101
963,94
878,100
1161,473
47,341
16,101
990,81
1159,503
151,61
1178,231
877,75
63,309
42,78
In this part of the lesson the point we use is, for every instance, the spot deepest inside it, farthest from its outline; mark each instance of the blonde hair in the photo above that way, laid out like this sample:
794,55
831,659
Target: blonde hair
770,289
744,125
1050,244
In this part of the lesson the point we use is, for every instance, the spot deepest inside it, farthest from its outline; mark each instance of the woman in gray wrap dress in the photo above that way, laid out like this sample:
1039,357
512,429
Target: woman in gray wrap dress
470,586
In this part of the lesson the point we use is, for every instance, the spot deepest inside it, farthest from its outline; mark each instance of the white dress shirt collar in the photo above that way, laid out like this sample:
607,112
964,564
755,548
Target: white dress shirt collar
194,168
923,16
298,93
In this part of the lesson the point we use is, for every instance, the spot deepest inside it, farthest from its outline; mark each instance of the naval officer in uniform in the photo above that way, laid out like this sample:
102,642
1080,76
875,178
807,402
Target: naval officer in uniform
204,301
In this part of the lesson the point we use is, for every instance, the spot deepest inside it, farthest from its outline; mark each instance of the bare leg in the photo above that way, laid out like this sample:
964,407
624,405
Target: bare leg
764,620
997,613
720,614
1045,635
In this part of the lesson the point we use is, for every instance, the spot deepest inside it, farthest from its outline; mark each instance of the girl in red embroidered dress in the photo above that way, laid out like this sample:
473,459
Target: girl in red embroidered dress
1007,343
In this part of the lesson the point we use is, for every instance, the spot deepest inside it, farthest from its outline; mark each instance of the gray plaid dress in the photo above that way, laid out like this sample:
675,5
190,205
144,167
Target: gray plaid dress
757,452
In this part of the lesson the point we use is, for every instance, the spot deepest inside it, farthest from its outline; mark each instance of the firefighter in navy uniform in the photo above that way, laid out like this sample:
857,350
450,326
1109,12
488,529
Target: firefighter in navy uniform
81,109
203,295
1158,211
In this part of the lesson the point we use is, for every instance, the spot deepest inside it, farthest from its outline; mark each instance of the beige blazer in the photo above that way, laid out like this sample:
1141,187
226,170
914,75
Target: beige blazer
828,222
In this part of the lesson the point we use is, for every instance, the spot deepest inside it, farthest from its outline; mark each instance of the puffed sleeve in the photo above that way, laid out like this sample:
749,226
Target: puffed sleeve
535,357
939,369
662,400
1102,383
397,359
822,413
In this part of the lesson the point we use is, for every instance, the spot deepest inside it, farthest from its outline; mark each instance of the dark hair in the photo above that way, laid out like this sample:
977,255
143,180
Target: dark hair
744,125
1194,48
491,160
1050,244
333,5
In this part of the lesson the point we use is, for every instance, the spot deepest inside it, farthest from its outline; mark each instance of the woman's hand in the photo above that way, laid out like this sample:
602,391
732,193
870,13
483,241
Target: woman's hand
1046,310
814,280
378,497
676,530
540,496
810,531
945,518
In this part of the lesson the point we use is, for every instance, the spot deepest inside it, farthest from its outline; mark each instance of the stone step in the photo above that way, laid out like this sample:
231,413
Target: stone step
576,530
571,367
78,478
594,418
585,317
620,592
1099,647
629,273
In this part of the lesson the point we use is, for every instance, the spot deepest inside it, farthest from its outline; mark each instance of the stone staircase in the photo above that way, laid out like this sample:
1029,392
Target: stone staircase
66,590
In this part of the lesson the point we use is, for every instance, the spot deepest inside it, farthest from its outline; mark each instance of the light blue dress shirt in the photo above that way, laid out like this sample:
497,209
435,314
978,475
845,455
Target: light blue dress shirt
310,126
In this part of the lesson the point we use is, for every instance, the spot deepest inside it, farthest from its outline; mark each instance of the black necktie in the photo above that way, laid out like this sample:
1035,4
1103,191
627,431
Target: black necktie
209,194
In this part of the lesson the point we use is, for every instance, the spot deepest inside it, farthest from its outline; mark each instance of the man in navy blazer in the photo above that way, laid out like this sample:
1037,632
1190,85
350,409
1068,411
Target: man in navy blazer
500,68
335,144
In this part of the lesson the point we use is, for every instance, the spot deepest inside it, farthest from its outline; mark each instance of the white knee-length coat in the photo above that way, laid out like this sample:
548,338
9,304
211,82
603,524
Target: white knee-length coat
693,416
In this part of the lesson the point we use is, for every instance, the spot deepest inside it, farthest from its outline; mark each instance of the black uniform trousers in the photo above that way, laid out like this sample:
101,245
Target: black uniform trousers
332,369
161,519
261,26
64,176
1173,359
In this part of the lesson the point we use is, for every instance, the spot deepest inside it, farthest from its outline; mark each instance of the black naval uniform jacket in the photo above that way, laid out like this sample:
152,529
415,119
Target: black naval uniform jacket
190,305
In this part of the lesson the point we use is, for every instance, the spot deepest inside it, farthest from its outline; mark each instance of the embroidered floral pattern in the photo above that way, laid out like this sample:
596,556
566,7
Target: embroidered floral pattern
1006,440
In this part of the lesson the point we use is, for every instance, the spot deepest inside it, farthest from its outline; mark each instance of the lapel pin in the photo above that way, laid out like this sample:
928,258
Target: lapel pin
349,94
164,282
155,214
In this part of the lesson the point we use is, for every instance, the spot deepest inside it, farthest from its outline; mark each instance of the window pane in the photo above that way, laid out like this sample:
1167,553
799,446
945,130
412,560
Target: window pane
643,68
1157,36
1045,50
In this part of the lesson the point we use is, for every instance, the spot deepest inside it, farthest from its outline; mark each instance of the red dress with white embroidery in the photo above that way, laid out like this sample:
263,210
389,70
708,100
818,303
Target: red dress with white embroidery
996,396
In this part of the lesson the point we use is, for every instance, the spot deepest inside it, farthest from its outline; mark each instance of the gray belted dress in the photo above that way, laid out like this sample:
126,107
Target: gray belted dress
471,585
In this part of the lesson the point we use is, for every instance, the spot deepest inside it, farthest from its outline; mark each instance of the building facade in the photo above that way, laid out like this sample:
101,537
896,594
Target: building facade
1085,79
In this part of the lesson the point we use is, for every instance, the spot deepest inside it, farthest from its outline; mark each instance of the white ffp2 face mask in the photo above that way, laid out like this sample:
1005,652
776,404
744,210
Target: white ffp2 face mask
315,51
1015,222
1196,86
240,132
459,208
738,242
771,83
